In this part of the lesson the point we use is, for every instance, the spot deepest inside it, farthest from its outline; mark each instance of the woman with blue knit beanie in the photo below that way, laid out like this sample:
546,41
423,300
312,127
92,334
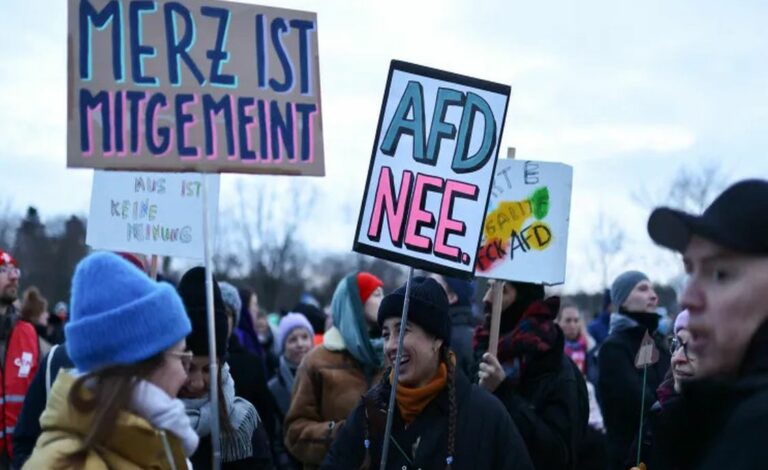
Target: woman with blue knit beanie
333,376
118,407
243,441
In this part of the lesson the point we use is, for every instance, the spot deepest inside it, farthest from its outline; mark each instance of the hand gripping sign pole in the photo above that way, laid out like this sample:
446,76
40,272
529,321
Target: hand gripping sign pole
396,367
214,374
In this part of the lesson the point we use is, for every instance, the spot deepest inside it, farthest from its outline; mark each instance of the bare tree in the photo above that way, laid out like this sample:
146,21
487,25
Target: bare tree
270,216
8,223
692,189
609,239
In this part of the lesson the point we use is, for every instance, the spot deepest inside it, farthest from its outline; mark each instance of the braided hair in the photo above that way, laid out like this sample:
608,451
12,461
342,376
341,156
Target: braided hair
445,356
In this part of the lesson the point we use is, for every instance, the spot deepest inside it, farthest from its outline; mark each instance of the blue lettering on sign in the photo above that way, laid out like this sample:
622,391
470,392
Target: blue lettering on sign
111,14
156,101
461,163
304,28
179,48
218,55
278,29
140,51
91,102
412,102
224,105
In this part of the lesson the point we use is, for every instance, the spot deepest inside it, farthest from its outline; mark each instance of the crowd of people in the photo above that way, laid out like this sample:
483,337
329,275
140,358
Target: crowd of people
121,378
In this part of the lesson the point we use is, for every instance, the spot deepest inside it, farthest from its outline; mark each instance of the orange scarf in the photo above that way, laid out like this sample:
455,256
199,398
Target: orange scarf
412,401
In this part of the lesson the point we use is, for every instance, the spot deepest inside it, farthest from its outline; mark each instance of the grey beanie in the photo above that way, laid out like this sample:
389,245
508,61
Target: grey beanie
231,299
623,285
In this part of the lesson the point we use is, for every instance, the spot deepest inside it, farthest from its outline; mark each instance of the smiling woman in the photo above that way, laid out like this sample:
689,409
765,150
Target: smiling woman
441,420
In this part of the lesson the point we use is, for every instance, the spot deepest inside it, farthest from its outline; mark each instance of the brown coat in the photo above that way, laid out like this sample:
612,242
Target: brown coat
328,386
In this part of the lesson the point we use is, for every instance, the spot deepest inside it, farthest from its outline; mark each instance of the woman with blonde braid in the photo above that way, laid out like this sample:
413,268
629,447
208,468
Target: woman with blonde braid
441,420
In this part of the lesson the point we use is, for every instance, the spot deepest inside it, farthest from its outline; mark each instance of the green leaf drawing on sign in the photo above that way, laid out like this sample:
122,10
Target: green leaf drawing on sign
540,202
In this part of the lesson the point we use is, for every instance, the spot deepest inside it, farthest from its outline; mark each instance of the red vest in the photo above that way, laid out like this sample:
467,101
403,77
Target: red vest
22,355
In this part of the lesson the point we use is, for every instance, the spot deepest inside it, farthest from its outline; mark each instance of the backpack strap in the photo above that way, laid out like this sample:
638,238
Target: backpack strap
48,370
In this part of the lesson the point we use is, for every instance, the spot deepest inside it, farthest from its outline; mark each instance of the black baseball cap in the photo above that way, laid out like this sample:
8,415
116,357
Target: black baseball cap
737,220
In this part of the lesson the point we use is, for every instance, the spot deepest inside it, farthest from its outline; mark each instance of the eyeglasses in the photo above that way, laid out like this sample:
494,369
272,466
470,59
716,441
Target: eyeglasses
10,270
184,356
675,344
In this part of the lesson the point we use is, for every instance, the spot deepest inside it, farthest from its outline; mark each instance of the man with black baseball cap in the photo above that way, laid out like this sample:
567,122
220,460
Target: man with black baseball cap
725,252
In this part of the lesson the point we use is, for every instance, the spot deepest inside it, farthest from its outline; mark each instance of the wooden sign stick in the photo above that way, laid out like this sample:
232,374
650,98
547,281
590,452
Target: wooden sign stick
153,268
496,295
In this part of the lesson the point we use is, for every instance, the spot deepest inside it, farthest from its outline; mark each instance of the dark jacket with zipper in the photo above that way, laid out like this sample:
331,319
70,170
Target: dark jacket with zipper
251,384
549,404
486,437
462,327
550,407
620,387
721,423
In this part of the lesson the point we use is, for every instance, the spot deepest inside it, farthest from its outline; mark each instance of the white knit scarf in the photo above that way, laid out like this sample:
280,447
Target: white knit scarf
243,418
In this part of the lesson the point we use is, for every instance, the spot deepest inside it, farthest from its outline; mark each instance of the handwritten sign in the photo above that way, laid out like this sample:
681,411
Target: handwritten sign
208,86
431,167
525,235
648,353
150,213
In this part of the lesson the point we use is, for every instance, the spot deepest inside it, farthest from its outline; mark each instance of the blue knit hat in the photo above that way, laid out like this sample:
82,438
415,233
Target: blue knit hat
231,299
623,285
120,316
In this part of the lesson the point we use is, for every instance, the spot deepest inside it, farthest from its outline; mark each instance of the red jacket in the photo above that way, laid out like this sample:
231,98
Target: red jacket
22,356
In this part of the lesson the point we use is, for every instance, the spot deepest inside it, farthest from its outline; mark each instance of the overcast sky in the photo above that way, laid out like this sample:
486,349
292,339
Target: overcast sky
626,92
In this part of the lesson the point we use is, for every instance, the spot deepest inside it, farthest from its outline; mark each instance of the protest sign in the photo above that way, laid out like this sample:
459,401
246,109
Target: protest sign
150,213
432,163
525,234
208,86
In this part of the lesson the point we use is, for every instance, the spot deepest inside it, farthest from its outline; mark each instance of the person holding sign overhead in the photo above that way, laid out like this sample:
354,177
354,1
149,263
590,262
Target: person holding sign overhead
441,420
541,388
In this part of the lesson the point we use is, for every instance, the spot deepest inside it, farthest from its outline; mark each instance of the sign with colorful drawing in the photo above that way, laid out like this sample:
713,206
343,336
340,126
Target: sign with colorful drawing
431,167
525,235
208,86
151,213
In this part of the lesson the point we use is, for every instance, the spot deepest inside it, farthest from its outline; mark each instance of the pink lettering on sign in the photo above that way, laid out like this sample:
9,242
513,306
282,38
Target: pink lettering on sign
420,218
386,202
407,215
447,226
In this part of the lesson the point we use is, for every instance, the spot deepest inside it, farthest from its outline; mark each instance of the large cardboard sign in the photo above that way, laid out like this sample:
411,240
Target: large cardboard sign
431,167
525,235
209,86
151,213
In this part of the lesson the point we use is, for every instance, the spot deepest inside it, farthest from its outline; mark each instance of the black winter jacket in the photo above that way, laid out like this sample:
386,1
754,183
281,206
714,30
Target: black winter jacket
486,438
722,424
462,328
550,408
251,384
260,460
620,388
